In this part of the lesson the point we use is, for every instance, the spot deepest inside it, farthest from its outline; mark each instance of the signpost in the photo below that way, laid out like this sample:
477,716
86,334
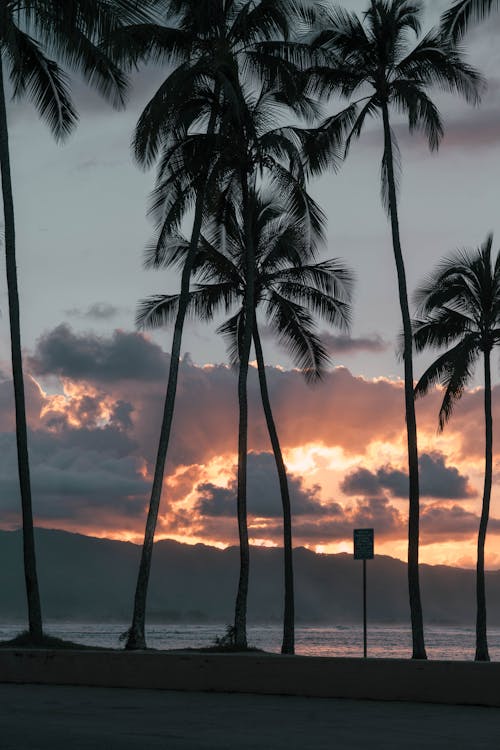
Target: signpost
363,550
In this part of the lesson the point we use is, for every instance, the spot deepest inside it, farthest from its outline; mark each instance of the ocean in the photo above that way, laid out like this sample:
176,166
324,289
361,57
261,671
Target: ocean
384,641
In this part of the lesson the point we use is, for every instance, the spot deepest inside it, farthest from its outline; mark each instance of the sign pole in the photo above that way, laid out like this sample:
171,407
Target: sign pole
363,550
364,608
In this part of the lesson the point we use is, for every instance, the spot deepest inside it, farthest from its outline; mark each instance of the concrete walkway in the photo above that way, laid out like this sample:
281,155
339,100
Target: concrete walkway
451,682
39,717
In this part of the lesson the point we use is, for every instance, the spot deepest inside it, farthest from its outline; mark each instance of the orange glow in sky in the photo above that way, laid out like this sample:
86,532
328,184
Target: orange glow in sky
345,451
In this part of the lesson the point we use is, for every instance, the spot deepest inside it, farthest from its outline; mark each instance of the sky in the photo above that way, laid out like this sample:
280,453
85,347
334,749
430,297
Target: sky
95,385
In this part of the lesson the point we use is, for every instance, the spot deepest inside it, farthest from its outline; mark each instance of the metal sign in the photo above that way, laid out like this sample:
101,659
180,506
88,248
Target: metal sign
363,544
363,550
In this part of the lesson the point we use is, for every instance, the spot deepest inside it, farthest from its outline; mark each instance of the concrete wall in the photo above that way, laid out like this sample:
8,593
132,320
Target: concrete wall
378,679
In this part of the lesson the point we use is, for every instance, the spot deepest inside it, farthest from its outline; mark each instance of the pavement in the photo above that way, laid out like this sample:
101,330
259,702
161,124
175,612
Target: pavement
41,717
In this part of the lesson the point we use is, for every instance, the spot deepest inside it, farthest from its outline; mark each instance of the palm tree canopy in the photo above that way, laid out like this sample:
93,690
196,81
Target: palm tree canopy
37,35
249,139
290,287
373,57
208,41
456,20
458,308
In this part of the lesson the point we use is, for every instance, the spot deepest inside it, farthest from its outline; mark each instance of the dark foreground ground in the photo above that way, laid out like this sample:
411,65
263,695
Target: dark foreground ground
40,717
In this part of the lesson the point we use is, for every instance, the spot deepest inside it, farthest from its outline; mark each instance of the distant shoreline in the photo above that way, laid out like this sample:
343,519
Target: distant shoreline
443,642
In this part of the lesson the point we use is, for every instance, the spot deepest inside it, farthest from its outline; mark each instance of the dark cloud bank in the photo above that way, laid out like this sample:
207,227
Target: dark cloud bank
91,452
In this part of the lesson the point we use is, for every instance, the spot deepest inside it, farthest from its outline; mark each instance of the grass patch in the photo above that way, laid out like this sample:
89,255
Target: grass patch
24,640
226,644
225,649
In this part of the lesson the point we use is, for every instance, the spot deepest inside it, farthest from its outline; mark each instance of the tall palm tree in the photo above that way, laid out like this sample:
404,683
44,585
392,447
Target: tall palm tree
244,150
248,154
31,31
455,21
459,308
215,45
289,286
373,54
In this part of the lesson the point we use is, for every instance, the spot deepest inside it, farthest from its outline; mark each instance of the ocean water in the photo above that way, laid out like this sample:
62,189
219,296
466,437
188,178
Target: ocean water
384,641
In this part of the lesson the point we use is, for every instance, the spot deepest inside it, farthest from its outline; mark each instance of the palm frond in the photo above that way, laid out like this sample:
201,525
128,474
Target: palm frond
148,44
299,203
453,370
441,329
170,112
330,277
294,327
370,108
461,300
232,332
46,85
205,301
337,312
456,20
422,113
436,61
458,284
344,33
324,146
157,311
168,248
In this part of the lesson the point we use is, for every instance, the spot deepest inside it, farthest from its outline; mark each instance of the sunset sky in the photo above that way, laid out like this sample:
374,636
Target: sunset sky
95,386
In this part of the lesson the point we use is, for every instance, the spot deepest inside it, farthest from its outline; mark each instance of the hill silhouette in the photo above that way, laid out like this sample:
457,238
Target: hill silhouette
88,579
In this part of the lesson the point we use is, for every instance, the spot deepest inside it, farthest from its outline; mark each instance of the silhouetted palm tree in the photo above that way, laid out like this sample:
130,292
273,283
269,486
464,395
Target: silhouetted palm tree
459,308
71,32
289,286
455,21
216,45
373,54
247,154
242,151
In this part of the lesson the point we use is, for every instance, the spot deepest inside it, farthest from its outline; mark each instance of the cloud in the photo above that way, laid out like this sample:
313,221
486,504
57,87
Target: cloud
124,356
439,480
440,523
264,498
361,482
377,513
477,131
97,311
341,410
34,402
343,344
71,484
436,480
94,437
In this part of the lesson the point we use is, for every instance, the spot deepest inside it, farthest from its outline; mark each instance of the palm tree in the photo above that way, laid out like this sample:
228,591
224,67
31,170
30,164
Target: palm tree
289,286
215,44
459,308
373,53
455,21
72,32
243,150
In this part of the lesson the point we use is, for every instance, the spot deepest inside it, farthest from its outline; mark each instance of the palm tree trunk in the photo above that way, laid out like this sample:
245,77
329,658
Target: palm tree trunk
136,638
417,626
288,644
481,637
32,591
240,612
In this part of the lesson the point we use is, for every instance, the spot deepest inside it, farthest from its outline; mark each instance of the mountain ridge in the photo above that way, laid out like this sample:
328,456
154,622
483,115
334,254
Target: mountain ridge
91,579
